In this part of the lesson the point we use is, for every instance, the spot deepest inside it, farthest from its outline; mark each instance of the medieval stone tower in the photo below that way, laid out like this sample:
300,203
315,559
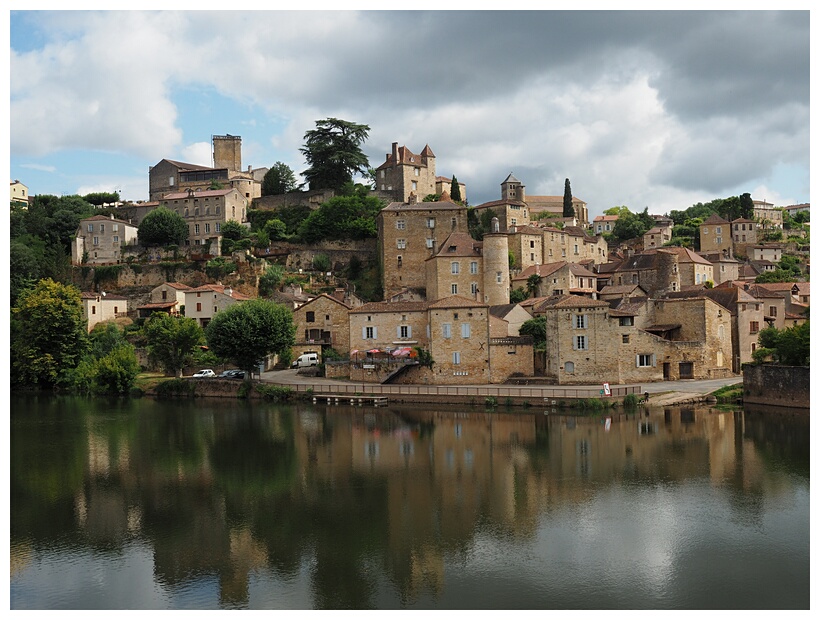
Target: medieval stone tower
228,152
512,189
496,267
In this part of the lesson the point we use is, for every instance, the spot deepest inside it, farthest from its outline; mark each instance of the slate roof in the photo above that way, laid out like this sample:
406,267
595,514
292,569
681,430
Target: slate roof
502,310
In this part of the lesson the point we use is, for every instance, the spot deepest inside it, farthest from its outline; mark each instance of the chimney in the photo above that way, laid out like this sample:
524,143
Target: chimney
228,291
412,198
395,153
112,216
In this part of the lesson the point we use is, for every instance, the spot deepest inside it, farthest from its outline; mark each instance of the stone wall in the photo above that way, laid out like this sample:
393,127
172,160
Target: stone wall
785,386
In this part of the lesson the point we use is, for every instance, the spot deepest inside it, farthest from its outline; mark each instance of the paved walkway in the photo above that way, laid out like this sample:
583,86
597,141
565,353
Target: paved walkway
669,391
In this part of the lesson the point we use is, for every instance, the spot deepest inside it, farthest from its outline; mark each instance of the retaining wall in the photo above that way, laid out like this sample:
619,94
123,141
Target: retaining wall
784,386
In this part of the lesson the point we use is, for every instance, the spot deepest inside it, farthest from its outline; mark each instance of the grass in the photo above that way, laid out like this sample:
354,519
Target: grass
729,393
149,380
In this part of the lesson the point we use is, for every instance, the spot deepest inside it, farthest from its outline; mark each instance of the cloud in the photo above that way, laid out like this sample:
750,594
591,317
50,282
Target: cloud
41,167
198,153
637,108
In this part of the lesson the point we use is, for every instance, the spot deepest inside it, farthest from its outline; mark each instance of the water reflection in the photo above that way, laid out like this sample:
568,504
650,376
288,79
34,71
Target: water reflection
252,505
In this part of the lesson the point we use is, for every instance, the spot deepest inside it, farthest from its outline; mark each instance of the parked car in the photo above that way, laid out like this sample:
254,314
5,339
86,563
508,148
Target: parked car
232,374
306,359
205,372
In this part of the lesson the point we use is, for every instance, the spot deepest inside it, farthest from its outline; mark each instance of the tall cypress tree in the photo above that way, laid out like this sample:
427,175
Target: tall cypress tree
568,209
455,190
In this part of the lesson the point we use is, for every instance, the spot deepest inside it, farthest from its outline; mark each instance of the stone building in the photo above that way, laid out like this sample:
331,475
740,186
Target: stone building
656,237
19,193
573,245
322,323
169,175
665,270
555,205
168,297
206,212
102,306
716,235
604,223
387,326
404,173
527,245
744,232
456,269
459,340
767,215
512,210
100,239
772,252
202,303
724,267
558,279
443,184
409,234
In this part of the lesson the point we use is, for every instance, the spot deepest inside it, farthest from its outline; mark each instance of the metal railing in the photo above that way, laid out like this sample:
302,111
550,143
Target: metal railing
501,391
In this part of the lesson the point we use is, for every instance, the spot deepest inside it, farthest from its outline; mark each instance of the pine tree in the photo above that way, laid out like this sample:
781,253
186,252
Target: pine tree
455,190
569,211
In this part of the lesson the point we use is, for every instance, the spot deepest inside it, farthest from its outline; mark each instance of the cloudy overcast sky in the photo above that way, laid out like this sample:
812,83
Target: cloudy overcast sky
644,109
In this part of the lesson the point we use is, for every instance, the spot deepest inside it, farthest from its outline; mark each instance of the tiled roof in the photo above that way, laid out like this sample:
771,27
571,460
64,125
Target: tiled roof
375,307
441,205
178,285
406,156
541,270
502,310
605,218
218,288
458,244
714,219
208,193
577,269
105,218
164,305
185,166
619,289
569,301
510,179
325,296
457,301
498,203
105,297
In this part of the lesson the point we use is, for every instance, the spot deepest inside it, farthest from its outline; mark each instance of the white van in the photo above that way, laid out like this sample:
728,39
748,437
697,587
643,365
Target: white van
306,359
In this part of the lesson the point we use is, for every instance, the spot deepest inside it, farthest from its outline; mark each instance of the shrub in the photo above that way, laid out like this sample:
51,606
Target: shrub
174,388
491,401
631,401
275,393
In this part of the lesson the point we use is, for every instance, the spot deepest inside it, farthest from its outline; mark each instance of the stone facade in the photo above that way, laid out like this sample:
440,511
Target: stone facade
99,307
558,279
744,232
573,245
459,341
456,269
103,238
443,184
766,251
18,193
404,173
656,237
387,326
321,323
409,234
724,268
527,246
203,302
206,212
510,356
716,235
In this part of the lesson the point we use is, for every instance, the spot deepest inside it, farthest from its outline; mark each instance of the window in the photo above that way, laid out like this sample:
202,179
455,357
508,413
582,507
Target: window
404,331
576,248
207,228
465,330
456,358
93,309
473,267
697,278
415,171
581,343
116,239
196,229
532,256
96,241
310,317
217,212
401,244
532,244
498,277
398,261
414,185
513,221
445,330
102,228
569,367
645,359
431,222
91,228
171,181
718,230
115,227
772,310
400,225
705,231
199,306
626,321
473,288
430,243
454,289
625,338
454,267
718,239
369,333
581,321
215,309
164,295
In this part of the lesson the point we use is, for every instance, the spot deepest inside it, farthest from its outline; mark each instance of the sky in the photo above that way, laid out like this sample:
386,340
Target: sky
644,109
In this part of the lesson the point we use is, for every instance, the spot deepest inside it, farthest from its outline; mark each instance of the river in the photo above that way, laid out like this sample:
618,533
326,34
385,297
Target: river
223,504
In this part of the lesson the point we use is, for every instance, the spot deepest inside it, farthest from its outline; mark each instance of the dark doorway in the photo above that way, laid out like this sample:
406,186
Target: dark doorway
686,370
666,371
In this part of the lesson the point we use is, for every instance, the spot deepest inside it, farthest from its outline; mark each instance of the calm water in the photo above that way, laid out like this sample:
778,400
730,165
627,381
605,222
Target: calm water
217,504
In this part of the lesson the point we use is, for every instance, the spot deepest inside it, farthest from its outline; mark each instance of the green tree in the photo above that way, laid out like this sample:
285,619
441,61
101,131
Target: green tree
533,282
517,295
747,206
432,198
537,328
49,333
569,210
249,331
321,262
776,275
455,190
100,198
271,279
162,227
171,341
334,154
276,229
350,215
280,179
618,210
789,346
234,231
115,372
